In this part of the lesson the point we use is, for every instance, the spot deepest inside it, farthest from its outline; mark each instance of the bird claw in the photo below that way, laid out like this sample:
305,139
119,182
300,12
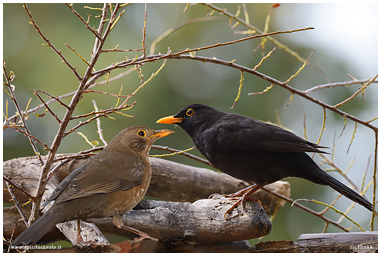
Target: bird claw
232,196
215,195
241,200
142,237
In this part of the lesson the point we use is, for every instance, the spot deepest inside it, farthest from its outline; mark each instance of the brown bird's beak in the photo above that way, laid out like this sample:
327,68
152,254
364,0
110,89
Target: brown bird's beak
160,134
170,120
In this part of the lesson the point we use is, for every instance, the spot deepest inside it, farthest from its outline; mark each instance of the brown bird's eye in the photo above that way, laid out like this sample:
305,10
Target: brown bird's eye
141,133
189,112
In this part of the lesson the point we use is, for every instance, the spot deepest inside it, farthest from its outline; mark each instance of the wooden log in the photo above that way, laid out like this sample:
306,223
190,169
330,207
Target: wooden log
356,242
359,242
324,243
171,181
202,221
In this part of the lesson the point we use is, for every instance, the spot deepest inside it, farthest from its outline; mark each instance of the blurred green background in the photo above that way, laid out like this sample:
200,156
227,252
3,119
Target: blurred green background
338,52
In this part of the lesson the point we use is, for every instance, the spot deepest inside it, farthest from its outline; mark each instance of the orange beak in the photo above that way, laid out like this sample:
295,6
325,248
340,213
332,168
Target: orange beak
161,133
170,120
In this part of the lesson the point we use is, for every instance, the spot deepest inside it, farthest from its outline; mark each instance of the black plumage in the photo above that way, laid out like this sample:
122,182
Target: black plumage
254,151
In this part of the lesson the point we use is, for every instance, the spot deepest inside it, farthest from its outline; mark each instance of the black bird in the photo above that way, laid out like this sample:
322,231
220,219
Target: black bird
254,151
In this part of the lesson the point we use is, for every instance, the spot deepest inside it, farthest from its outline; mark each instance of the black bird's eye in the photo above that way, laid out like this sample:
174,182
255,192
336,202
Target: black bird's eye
141,133
189,112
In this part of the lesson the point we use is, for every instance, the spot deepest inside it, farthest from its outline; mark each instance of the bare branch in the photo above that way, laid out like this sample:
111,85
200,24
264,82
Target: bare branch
357,92
144,30
85,82
51,96
50,44
99,129
18,187
16,202
54,99
47,107
84,22
26,134
198,159
257,30
307,209
153,58
21,114
332,85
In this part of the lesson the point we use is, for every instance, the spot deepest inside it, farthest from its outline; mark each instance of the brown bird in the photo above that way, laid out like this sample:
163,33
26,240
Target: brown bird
108,184
254,151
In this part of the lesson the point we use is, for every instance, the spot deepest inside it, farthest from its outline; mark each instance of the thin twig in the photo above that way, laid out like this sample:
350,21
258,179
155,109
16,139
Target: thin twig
104,112
82,154
99,129
172,30
357,92
51,96
18,187
172,154
85,82
21,114
47,107
239,91
153,58
322,127
55,168
106,93
337,169
257,30
84,22
54,99
144,30
77,53
28,135
117,50
16,202
50,44
264,58
300,69
332,208
374,179
262,92
241,40
198,159
97,115
11,238
332,85
305,209
67,158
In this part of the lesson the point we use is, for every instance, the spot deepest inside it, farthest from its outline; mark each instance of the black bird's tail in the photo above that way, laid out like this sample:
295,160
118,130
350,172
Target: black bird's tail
344,190
40,227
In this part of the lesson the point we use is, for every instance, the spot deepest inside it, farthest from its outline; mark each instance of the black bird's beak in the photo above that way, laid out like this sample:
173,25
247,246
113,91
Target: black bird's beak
170,120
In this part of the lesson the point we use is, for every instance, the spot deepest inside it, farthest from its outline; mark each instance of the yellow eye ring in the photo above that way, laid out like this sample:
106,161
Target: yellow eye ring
141,133
189,112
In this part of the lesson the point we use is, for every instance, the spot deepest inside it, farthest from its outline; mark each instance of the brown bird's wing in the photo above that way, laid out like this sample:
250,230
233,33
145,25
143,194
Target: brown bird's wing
244,133
100,175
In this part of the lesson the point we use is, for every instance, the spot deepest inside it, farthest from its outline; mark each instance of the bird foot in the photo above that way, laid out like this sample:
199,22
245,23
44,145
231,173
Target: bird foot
80,242
79,239
233,196
142,235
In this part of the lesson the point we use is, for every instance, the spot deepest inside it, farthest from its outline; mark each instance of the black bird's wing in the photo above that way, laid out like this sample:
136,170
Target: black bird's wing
244,133
98,177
